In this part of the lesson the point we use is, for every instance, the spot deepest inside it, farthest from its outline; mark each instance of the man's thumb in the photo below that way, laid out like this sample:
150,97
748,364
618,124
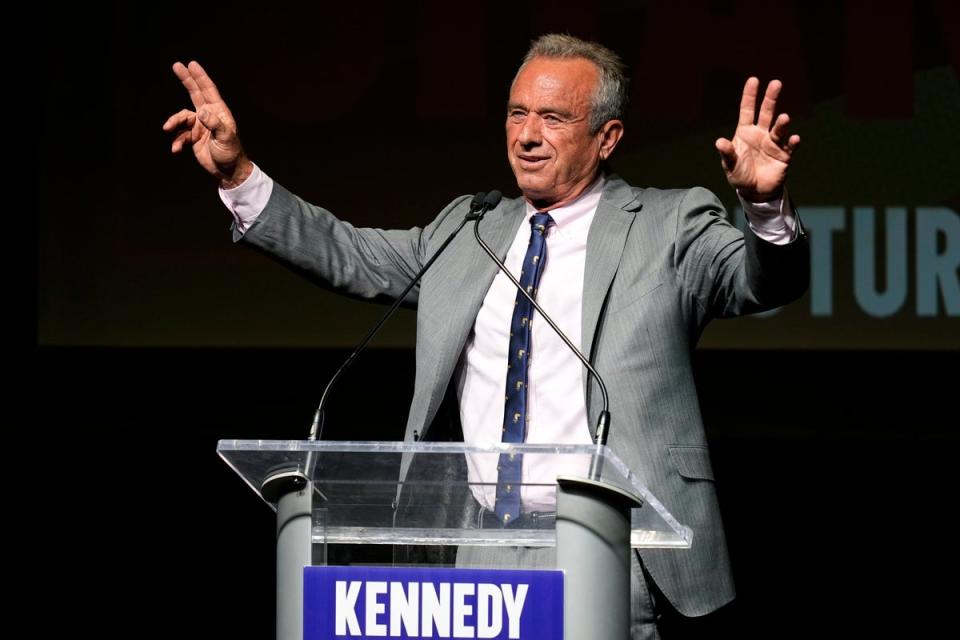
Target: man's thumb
210,120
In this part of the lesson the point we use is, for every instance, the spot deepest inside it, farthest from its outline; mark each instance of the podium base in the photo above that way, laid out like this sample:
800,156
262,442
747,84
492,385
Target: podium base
593,551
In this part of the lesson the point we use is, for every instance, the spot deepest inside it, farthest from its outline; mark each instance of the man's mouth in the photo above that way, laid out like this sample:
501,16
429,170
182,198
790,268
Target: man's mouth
530,162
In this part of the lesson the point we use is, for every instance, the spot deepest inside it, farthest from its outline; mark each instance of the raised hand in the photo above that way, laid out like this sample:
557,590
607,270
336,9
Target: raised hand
757,158
209,128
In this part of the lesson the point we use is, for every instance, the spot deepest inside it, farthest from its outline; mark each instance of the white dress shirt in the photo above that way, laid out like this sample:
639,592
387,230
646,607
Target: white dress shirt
556,408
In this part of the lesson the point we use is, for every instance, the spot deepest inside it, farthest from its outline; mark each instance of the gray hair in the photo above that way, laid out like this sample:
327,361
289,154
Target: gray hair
609,101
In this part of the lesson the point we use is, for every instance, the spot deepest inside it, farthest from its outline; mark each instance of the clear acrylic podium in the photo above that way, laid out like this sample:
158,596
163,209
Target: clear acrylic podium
433,496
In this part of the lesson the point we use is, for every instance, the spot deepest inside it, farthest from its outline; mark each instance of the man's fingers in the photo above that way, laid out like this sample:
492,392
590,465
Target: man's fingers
179,141
748,103
183,118
183,73
769,105
779,133
781,136
724,146
792,144
205,84
208,119
180,70
728,155
214,123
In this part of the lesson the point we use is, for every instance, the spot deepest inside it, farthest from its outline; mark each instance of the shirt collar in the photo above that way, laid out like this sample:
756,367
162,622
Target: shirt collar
567,216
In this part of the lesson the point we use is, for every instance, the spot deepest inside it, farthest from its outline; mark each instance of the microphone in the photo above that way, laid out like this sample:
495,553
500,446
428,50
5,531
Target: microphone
286,479
603,422
479,205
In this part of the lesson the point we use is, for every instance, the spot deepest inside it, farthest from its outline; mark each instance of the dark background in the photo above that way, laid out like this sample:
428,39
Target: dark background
141,336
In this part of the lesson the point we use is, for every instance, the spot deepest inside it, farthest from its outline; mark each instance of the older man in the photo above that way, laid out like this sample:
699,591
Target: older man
631,274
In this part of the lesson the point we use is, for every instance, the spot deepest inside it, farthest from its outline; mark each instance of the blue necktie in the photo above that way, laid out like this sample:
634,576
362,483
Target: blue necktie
507,505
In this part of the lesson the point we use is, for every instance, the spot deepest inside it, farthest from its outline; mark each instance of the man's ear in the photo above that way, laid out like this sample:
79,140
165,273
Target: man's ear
608,136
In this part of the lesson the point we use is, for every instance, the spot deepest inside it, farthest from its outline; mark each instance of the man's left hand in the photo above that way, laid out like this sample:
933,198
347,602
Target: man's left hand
757,159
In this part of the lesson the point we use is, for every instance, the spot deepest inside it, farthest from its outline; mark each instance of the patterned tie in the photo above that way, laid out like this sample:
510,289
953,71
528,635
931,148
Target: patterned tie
507,505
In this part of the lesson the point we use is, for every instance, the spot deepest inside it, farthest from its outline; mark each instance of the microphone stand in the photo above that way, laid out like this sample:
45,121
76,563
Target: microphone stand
603,422
478,206
593,523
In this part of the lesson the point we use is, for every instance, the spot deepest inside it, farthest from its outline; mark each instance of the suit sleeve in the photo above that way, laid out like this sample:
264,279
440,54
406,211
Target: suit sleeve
369,264
730,273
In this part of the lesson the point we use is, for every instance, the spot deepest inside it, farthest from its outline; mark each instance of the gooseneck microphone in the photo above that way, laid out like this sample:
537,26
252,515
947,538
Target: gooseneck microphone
478,206
603,422
285,478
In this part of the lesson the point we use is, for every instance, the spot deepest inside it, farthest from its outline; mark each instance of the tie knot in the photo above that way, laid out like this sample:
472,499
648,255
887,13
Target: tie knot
540,222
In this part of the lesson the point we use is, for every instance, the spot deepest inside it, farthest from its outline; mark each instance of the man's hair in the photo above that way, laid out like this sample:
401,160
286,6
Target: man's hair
609,101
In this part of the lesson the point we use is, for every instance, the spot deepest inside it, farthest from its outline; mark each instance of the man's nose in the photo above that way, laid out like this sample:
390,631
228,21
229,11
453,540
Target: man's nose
530,132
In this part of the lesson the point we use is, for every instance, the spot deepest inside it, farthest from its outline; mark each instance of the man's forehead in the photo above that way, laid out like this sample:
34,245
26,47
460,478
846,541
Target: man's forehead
555,76
569,68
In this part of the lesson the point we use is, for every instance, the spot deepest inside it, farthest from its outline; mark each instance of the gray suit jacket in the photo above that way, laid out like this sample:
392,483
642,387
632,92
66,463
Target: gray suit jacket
660,264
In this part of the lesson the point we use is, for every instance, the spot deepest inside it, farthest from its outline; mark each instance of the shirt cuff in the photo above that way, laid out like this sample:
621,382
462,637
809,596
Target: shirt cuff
248,199
773,221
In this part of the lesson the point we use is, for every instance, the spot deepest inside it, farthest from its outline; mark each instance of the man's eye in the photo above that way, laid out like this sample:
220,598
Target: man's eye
517,116
552,119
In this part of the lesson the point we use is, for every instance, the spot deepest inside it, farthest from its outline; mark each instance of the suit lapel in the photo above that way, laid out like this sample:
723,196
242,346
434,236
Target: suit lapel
466,292
605,243
498,229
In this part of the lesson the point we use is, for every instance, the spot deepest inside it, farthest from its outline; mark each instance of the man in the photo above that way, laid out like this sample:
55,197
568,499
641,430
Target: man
633,275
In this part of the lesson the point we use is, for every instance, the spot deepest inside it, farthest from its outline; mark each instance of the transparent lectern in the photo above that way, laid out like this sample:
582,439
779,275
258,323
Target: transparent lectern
422,502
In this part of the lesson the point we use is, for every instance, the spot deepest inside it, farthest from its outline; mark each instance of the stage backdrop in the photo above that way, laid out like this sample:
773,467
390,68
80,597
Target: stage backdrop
385,112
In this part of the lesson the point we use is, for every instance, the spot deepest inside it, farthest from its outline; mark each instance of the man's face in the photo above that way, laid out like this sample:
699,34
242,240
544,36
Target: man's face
551,150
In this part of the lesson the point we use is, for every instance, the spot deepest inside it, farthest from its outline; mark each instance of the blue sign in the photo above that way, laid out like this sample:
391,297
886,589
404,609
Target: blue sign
378,602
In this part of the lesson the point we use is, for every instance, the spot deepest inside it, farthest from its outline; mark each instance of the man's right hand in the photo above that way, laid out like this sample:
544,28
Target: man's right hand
210,128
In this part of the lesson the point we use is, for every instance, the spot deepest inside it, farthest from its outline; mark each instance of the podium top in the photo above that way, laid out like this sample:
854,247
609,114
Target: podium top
445,488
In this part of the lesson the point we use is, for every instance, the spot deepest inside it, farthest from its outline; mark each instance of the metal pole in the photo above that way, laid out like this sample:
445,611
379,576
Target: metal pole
593,551
293,554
